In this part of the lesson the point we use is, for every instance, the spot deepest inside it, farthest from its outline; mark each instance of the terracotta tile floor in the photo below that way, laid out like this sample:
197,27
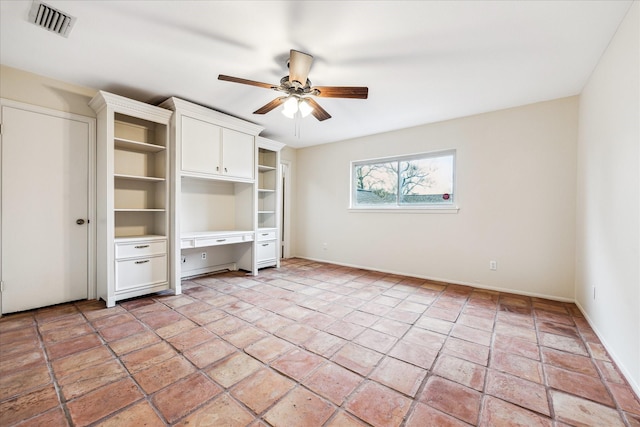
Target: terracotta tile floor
310,344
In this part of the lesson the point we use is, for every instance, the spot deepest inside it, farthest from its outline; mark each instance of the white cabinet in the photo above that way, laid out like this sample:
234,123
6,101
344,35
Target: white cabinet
269,201
214,195
213,150
133,198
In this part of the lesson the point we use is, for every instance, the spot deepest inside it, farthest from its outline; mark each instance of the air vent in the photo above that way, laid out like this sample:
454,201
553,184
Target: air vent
51,19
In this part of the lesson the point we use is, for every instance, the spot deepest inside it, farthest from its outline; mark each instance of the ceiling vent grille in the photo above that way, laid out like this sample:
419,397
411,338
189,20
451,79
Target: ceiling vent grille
51,19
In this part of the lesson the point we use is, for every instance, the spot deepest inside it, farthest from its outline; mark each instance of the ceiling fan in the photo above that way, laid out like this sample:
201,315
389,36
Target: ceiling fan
298,90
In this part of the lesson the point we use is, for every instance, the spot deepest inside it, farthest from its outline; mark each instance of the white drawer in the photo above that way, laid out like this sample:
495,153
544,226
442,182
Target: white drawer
266,250
266,235
214,241
141,249
136,273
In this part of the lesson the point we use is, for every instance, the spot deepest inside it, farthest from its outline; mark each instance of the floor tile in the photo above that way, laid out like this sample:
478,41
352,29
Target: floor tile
297,364
399,375
191,338
324,344
209,352
461,371
72,346
517,346
356,358
424,415
414,354
378,405
164,373
28,405
121,330
517,365
578,384
134,342
452,398
435,325
80,361
296,333
497,412
244,336
233,369
222,411
575,410
101,402
345,330
560,342
569,361
625,398
140,414
516,390
148,356
91,378
375,340
299,408
182,397
20,382
262,389
343,419
333,382
269,348
428,339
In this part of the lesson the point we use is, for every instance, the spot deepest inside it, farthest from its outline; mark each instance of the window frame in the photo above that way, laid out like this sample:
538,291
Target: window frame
398,207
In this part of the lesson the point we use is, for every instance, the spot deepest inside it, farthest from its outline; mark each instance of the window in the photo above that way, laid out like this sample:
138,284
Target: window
418,181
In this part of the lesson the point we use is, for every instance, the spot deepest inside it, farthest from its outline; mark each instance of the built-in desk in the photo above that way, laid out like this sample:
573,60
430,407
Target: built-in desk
209,251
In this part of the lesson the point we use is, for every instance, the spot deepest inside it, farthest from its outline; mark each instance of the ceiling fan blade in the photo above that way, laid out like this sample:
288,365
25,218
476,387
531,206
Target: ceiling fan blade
245,81
270,106
318,112
299,66
358,92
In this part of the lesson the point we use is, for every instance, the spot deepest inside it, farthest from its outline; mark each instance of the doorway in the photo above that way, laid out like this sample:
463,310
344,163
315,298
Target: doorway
46,194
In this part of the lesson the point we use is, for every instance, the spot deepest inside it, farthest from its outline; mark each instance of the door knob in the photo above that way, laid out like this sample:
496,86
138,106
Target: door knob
80,221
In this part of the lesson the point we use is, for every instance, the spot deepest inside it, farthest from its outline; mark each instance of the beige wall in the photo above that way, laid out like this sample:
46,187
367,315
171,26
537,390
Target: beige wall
608,198
289,155
33,89
516,183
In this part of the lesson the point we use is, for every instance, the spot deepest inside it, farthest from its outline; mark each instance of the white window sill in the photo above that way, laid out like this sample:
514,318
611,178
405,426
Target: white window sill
403,210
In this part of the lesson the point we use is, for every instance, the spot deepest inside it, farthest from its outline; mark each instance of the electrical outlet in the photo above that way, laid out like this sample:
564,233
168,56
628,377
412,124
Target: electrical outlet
493,265
204,255
325,246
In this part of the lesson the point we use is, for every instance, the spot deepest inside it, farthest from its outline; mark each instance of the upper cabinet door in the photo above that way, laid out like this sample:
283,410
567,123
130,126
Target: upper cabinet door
238,152
201,149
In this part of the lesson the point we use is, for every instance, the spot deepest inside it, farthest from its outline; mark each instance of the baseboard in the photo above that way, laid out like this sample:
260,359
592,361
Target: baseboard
453,282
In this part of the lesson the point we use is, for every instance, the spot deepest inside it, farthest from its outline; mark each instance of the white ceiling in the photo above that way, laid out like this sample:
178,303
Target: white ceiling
423,61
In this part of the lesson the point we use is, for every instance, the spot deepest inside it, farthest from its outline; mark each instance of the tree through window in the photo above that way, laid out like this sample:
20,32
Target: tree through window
418,180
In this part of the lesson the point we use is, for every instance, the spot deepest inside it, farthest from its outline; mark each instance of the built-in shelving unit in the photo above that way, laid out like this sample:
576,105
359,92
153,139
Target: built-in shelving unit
133,176
268,201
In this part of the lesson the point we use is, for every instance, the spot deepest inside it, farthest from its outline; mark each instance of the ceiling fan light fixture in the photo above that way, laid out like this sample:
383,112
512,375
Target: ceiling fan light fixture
290,107
304,107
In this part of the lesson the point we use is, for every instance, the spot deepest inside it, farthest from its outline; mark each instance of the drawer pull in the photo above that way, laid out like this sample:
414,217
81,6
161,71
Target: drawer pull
265,234
141,246
142,262
221,240
265,244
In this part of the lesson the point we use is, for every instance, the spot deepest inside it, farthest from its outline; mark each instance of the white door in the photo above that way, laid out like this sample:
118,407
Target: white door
45,208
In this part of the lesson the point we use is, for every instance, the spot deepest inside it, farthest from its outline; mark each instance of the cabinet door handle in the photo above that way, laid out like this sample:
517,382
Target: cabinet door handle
141,246
217,168
142,262
225,170
221,240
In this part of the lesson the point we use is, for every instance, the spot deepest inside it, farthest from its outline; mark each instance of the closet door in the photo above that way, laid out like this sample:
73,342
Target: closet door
45,208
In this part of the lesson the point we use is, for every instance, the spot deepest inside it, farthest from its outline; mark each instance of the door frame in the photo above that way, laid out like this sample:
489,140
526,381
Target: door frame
285,220
91,183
